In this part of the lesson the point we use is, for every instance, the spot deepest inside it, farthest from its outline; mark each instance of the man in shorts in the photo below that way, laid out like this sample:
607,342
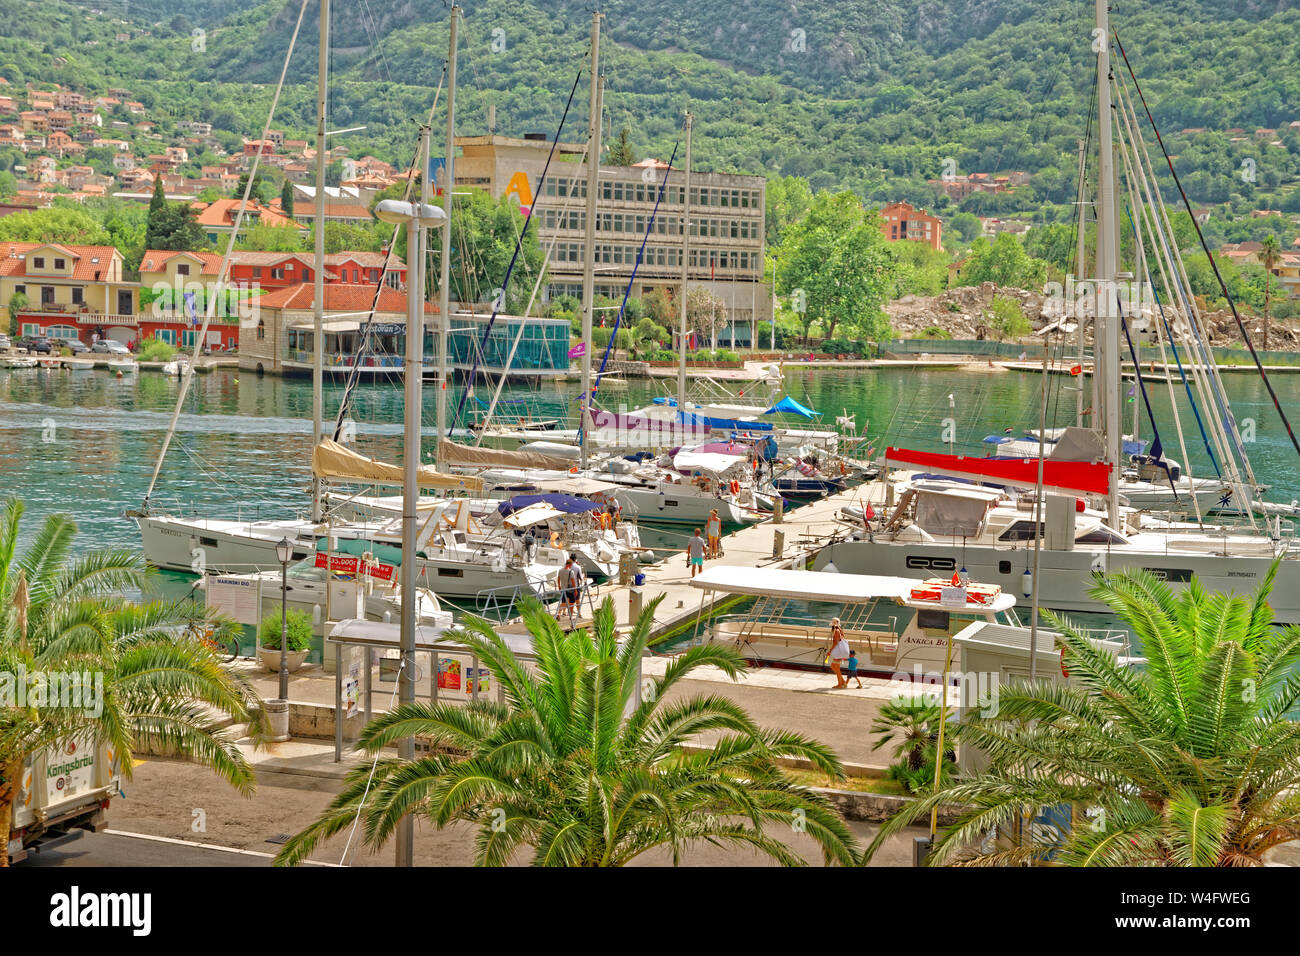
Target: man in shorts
695,553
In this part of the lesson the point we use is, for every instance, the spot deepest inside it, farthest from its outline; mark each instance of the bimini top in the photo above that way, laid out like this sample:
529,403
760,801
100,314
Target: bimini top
831,587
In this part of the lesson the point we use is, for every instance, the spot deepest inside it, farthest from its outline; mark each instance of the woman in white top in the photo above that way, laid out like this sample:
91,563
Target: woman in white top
839,653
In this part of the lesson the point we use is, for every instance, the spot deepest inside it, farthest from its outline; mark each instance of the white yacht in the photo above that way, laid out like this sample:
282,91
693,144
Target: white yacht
940,527
899,625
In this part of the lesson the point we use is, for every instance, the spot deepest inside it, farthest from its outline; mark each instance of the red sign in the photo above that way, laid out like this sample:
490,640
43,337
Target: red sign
350,564
1076,369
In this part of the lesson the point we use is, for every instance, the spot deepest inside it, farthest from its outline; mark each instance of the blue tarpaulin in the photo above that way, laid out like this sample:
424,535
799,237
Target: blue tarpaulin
789,405
569,504
723,424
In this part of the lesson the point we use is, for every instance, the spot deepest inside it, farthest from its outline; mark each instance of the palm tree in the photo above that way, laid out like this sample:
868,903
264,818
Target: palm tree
1270,253
164,689
912,726
1191,761
573,767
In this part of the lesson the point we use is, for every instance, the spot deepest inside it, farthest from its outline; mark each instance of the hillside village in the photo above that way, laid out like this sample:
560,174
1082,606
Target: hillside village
81,146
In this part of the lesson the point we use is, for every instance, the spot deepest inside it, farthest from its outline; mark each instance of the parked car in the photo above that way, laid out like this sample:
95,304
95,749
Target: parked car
5,344
109,347
76,345
36,343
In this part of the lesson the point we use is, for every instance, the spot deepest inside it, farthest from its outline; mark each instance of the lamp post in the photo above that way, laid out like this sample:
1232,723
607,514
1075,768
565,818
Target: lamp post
418,217
284,551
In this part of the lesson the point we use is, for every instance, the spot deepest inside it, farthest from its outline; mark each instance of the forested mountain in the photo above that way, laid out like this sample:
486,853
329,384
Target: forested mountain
872,95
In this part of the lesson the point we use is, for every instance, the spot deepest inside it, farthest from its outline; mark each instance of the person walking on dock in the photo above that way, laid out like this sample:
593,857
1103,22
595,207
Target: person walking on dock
839,653
695,553
713,528
851,672
568,585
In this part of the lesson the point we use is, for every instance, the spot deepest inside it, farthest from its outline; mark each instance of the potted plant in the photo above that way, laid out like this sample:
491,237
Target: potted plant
268,637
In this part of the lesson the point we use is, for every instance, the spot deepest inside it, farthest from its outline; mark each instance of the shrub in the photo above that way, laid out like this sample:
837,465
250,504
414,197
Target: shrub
156,350
299,622
934,332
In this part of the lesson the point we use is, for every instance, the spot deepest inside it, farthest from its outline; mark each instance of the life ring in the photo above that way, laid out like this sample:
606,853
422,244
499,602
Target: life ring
735,486
555,539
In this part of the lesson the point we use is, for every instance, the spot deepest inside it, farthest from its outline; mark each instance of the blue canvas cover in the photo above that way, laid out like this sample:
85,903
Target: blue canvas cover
792,407
569,504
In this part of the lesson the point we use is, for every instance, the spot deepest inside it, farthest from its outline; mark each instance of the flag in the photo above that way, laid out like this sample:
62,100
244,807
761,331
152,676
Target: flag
190,308
578,351
870,513
1076,370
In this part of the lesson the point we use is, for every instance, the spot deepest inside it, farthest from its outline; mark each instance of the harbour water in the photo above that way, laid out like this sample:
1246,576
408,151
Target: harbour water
86,443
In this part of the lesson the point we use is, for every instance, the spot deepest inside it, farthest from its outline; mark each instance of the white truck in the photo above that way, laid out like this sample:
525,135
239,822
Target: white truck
63,788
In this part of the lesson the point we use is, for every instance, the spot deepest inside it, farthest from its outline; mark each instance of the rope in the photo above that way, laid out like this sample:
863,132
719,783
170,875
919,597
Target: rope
1245,336
505,283
211,305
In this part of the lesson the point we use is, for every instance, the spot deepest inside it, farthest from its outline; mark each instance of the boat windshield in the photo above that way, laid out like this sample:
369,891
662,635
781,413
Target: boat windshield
306,570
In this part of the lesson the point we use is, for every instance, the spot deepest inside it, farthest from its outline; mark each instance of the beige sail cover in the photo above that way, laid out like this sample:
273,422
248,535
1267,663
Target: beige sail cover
330,460
451,453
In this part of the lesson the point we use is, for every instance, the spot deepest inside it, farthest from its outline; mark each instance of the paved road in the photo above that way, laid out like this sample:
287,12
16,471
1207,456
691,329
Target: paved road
187,805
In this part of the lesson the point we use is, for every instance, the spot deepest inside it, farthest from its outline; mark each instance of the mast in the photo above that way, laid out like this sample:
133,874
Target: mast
686,265
1080,270
589,265
1107,331
444,272
417,217
318,277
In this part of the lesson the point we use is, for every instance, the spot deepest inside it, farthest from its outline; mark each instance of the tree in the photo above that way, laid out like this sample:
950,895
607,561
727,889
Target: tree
261,238
837,261
484,234
620,151
1007,319
8,184
559,769
286,198
57,224
1175,763
1270,254
912,727
966,225
173,227
788,200
1003,262
164,688
17,302
705,313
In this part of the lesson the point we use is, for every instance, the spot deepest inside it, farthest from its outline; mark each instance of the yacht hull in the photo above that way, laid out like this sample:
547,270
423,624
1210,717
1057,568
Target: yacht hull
1066,576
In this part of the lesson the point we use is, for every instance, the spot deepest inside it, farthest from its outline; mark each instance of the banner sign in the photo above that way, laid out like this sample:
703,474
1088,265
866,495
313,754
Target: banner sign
350,564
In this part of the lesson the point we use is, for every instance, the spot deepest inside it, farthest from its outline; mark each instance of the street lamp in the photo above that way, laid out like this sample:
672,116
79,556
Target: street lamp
284,551
418,217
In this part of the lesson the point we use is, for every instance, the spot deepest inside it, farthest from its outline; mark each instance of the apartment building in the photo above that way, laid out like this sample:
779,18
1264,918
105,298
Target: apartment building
726,211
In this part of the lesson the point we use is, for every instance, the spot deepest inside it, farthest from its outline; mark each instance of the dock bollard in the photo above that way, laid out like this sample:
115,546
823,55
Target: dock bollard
778,543
778,511
633,604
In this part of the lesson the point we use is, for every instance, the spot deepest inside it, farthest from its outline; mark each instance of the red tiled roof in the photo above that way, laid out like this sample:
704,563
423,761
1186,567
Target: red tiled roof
338,298
155,260
13,260
222,212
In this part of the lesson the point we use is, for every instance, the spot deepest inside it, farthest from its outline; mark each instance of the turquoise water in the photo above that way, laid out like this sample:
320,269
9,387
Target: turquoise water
86,443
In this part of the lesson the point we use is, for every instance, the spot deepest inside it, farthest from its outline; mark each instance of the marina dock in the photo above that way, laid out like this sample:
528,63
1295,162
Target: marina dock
805,530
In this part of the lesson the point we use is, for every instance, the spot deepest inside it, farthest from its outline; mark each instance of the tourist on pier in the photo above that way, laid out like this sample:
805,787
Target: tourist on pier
839,653
851,672
530,543
568,585
695,553
714,529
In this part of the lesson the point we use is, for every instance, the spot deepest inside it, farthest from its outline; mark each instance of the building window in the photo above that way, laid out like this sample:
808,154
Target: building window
182,268
257,272
277,273
20,290
77,298
261,330
38,262
166,335
60,264
47,295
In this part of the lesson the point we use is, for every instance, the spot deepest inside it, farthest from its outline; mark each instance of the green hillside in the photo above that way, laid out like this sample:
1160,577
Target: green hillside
872,95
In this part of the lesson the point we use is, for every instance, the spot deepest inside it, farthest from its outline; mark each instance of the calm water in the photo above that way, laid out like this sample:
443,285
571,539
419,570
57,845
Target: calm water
86,443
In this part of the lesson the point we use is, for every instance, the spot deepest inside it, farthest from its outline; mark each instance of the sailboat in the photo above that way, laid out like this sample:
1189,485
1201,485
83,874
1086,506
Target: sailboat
943,525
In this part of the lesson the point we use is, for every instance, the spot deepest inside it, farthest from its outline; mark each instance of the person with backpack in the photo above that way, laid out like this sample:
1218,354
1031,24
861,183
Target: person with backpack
568,585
